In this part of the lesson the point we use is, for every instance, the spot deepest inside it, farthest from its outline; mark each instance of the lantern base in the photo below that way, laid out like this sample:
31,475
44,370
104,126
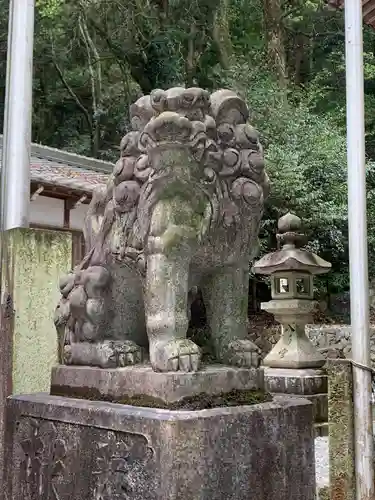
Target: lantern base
294,350
307,383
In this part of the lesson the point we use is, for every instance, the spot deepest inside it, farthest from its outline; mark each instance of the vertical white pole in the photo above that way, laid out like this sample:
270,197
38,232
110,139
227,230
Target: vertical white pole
18,110
358,250
5,127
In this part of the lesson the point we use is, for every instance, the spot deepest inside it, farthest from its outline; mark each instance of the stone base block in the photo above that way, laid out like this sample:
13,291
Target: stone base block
321,430
306,383
295,381
320,406
69,449
117,384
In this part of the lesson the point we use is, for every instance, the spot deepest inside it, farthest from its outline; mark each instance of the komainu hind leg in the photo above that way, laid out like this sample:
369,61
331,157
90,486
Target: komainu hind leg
84,320
225,295
105,354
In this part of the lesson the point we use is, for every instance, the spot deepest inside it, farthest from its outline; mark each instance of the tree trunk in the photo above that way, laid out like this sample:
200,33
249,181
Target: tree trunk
190,60
302,60
94,64
221,33
275,33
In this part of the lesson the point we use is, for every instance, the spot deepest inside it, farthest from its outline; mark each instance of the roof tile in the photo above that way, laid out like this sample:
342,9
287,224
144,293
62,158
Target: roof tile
63,174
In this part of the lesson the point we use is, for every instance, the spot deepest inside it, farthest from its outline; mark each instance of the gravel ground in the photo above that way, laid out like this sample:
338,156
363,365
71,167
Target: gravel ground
321,462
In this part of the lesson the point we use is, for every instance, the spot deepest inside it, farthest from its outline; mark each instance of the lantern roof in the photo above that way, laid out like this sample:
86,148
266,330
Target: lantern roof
291,256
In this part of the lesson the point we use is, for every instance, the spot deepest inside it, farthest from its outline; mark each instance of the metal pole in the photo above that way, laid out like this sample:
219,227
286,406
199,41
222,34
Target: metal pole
18,110
4,154
358,251
6,110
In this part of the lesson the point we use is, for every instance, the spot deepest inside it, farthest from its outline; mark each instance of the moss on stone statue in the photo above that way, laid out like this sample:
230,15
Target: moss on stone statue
201,401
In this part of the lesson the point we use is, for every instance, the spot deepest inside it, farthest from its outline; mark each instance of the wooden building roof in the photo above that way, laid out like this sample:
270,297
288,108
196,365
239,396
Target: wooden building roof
65,173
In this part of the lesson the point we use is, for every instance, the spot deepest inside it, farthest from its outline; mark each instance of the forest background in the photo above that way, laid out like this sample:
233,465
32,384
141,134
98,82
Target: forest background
93,58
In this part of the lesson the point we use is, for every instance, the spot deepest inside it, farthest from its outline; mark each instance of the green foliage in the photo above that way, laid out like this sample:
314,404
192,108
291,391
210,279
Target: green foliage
306,165
49,8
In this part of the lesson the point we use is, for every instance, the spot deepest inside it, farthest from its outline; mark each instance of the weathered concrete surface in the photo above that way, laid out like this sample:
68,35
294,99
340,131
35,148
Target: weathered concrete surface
79,450
33,261
118,383
341,430
307,383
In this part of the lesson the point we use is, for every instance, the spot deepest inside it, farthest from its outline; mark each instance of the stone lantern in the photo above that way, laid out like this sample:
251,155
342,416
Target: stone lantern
292,269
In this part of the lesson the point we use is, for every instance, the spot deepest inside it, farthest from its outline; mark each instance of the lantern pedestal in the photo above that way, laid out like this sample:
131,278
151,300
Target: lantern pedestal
292,367
294,349
307,383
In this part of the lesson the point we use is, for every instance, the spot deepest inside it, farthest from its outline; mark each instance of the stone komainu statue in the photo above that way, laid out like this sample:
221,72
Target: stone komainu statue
181,209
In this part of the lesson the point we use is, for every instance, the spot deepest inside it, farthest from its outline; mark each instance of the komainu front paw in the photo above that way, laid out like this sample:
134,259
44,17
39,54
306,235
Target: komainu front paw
241,353
175,355
127,353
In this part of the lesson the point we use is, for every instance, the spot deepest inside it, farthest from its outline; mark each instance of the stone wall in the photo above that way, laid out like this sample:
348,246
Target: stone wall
331,336
337,337
325,337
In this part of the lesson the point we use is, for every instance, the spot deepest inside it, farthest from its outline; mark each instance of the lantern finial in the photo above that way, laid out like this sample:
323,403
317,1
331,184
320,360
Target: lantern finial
289,222
290,233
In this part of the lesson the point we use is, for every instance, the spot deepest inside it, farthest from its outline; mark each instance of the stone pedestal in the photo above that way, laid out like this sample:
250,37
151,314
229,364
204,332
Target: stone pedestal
306,383
119,384
68,449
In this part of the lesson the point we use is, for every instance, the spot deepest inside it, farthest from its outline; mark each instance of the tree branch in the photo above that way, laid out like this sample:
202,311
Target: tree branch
69,88
134,62
84,33
96,79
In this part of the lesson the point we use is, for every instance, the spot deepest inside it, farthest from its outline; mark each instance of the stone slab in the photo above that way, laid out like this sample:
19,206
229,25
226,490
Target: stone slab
320,406
341,429
321,429
35,259
295,381
118,383
67,449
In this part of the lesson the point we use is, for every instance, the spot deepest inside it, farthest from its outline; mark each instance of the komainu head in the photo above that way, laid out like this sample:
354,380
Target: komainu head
183,141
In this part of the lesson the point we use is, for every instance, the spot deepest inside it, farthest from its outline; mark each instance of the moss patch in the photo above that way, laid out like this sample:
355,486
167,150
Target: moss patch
201,401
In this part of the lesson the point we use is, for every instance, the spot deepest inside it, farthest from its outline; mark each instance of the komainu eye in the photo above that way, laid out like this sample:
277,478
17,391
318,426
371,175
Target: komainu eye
188,98
157,95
